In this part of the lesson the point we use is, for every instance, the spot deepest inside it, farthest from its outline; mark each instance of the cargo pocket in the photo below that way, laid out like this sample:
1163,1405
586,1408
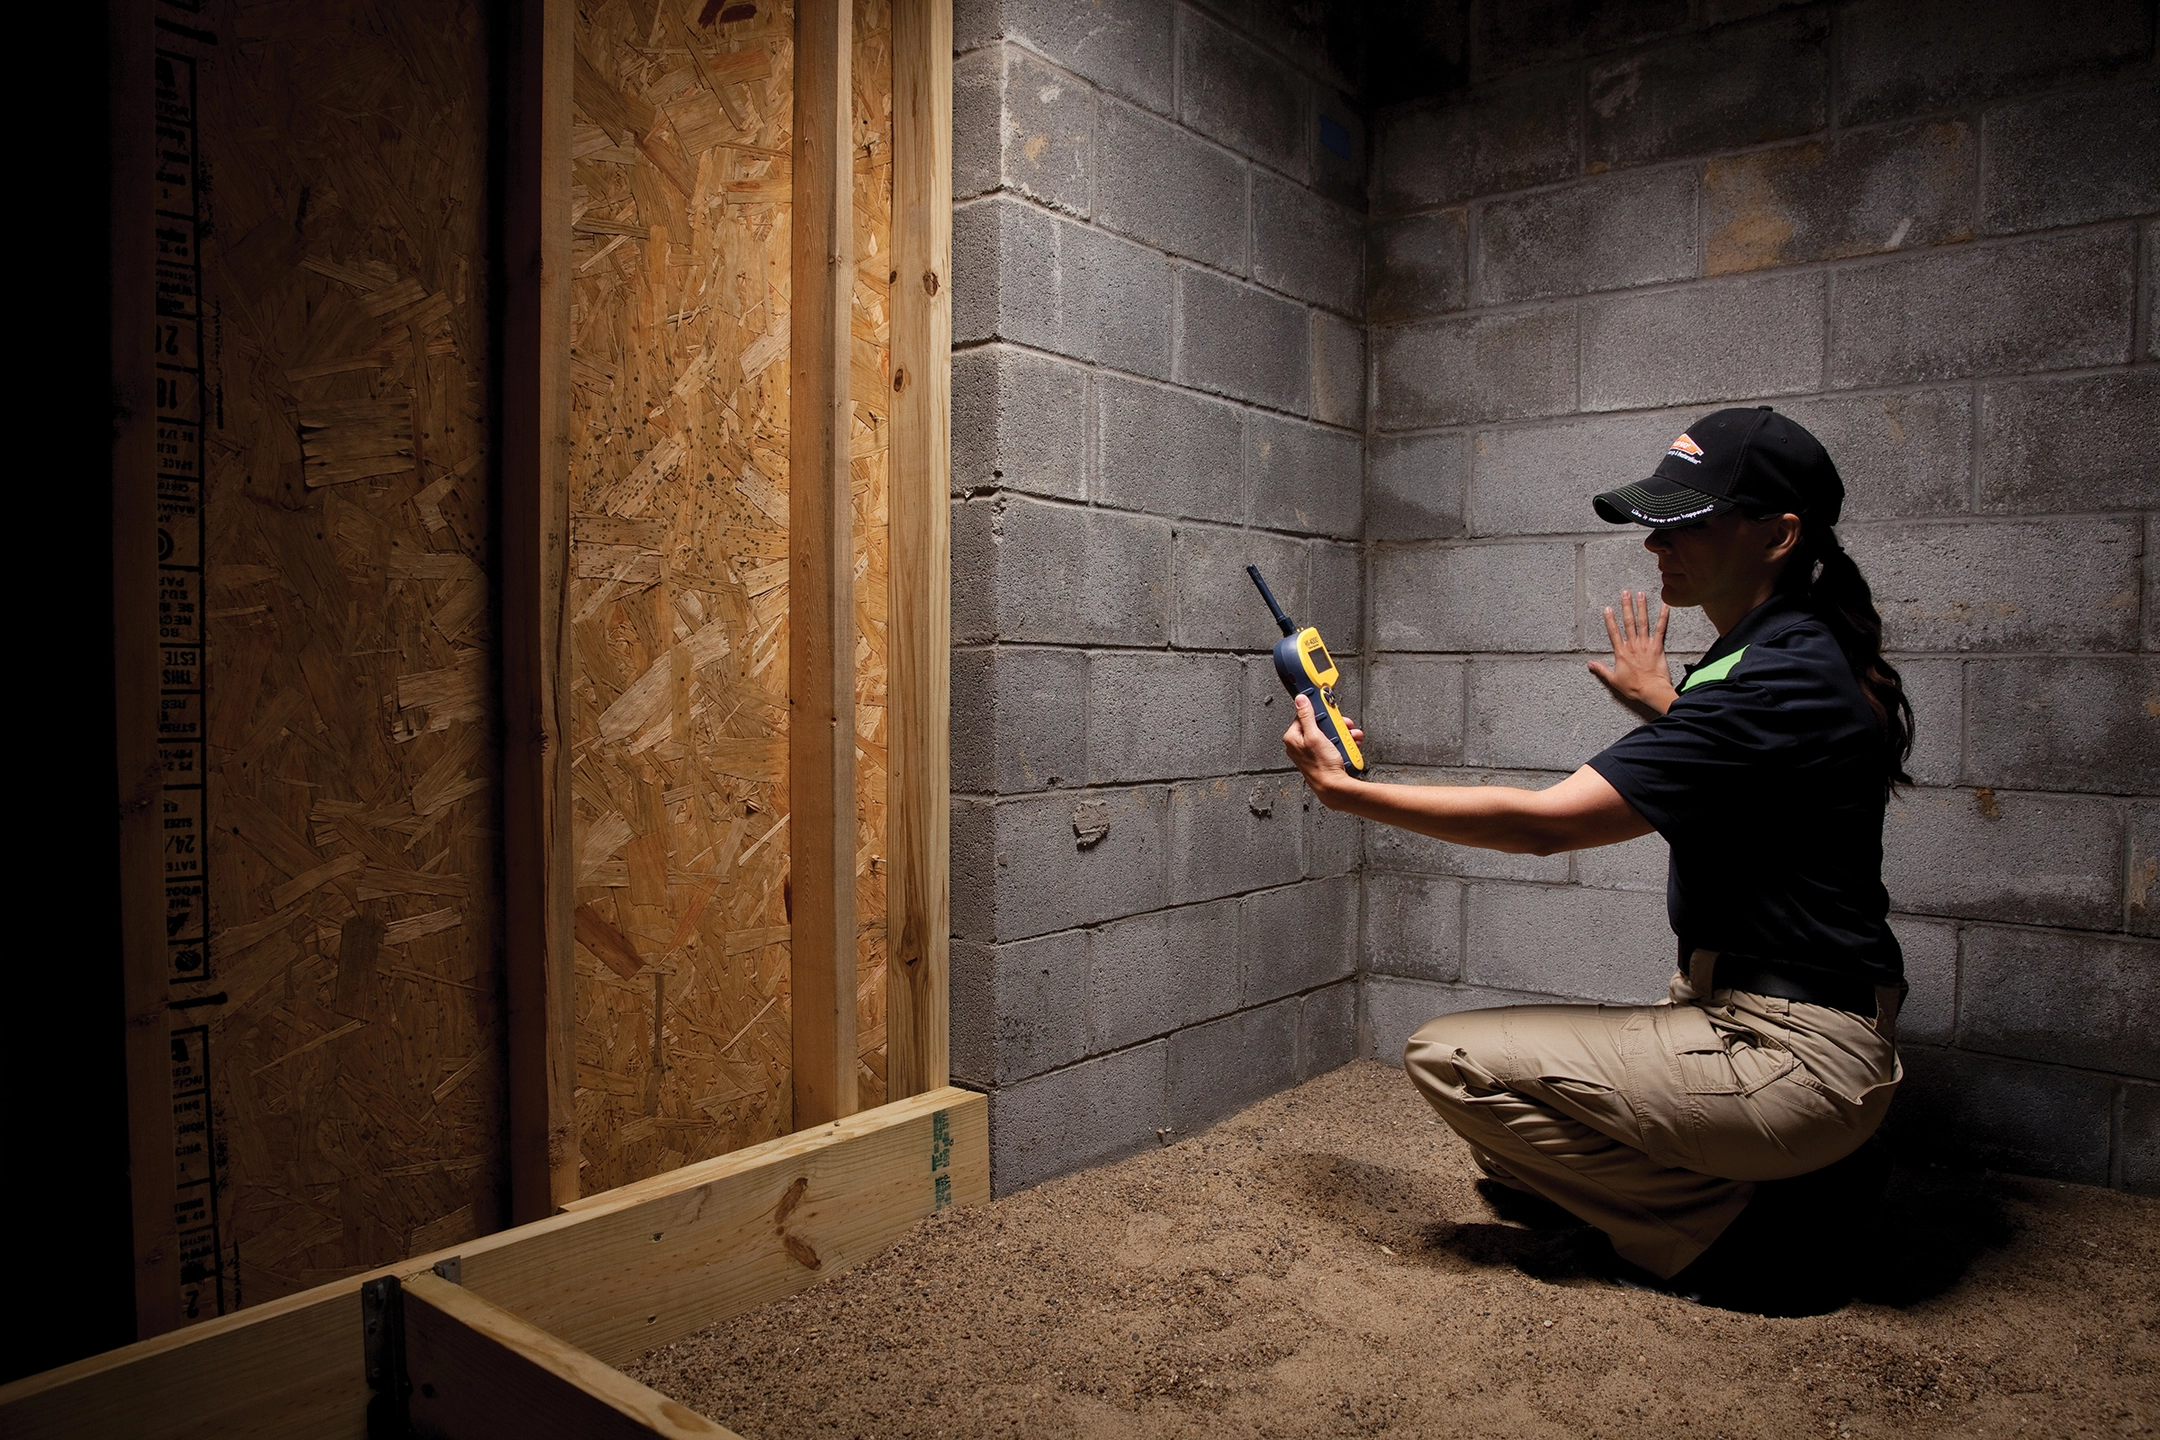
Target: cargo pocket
1712,1062
1755,1066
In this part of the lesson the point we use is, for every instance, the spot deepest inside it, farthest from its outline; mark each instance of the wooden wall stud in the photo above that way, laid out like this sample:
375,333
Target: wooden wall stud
538,893
821,591
918,996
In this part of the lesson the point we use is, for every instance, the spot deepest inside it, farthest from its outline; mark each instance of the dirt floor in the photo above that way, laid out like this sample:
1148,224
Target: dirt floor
1322,1264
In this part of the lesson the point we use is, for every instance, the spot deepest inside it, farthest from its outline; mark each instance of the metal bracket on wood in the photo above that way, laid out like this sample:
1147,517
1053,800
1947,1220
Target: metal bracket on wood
382,1337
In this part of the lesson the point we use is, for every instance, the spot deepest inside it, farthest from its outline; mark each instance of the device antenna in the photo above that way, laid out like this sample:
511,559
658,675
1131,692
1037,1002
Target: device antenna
1289,626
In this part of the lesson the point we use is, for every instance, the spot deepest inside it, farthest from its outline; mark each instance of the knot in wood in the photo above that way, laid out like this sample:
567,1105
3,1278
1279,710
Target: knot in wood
790,1200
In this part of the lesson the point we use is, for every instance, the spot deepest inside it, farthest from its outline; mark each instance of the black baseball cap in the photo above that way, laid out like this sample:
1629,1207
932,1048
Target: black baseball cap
1739,459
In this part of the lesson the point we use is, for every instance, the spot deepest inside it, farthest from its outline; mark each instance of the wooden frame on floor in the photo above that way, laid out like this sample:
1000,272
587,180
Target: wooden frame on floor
613,1277
476,1369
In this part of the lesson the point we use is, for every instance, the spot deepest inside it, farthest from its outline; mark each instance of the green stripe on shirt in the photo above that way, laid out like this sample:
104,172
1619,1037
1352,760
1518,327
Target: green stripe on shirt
1715,670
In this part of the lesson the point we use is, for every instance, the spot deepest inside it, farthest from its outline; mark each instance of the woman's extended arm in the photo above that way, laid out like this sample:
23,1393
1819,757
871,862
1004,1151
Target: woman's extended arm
1579,812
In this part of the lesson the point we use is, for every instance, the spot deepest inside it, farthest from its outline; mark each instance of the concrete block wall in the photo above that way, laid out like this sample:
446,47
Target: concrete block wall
1159,377
1931,232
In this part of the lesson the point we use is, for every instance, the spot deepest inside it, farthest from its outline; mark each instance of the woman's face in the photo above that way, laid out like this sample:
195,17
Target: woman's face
1725,560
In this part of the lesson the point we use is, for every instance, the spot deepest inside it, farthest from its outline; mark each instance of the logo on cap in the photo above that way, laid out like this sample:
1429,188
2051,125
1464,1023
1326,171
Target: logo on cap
1686,449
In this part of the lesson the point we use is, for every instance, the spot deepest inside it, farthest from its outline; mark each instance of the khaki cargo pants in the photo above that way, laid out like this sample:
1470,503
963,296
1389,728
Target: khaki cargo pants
1653,1122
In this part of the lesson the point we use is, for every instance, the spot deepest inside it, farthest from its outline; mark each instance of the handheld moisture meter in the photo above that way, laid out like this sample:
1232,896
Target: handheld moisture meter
1305,668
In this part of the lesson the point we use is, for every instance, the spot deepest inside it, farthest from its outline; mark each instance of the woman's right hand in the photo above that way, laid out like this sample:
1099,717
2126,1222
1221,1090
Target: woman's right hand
1639,674
1314,754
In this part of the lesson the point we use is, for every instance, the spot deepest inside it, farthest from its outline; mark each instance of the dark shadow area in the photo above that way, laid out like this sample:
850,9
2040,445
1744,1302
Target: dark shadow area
77,1257
1519,1207
1932,1225
1414,49
1529,1233
1354,1193
1796,1284
1577,1255
1925,1234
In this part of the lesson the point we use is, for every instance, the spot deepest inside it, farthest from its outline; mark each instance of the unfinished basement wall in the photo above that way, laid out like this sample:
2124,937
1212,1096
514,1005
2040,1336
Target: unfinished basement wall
1157,380
329,688
679,603
1927,232
326,711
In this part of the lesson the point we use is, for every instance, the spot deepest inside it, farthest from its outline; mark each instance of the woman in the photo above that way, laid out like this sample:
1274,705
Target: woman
1767,770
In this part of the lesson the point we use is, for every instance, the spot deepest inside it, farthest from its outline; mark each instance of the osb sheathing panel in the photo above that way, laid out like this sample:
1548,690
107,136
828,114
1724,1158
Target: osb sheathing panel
352,1005
678,596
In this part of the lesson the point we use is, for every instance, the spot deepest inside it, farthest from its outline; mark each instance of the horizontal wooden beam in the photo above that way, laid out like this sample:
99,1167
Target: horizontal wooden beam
478,1371
615,1275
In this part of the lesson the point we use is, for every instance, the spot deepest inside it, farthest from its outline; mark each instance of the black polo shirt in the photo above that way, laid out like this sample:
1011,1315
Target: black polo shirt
1766,778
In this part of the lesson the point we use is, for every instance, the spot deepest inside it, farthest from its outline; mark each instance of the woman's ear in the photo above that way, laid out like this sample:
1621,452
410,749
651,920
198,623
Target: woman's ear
1783,539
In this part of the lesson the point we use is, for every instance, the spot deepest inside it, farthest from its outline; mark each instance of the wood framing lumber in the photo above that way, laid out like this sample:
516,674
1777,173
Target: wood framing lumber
918,993
147,1048
615,1275
539,893
821,589
727,1244
478,1371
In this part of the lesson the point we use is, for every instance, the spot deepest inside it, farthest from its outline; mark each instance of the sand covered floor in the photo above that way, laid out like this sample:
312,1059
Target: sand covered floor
1323,1264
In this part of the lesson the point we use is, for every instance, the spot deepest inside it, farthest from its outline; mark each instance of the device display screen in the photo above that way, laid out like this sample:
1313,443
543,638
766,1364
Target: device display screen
1321,659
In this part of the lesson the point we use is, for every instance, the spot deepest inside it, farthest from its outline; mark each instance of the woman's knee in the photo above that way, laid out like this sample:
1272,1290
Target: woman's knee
1454,1056
1474,1032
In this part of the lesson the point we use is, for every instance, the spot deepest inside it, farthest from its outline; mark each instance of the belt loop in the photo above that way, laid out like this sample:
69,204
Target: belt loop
1702,974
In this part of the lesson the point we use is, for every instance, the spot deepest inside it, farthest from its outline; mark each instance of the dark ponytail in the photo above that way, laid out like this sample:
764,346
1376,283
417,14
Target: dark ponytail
1831,585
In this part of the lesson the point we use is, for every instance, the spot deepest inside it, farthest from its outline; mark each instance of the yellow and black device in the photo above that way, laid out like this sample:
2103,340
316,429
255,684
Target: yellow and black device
1305,668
